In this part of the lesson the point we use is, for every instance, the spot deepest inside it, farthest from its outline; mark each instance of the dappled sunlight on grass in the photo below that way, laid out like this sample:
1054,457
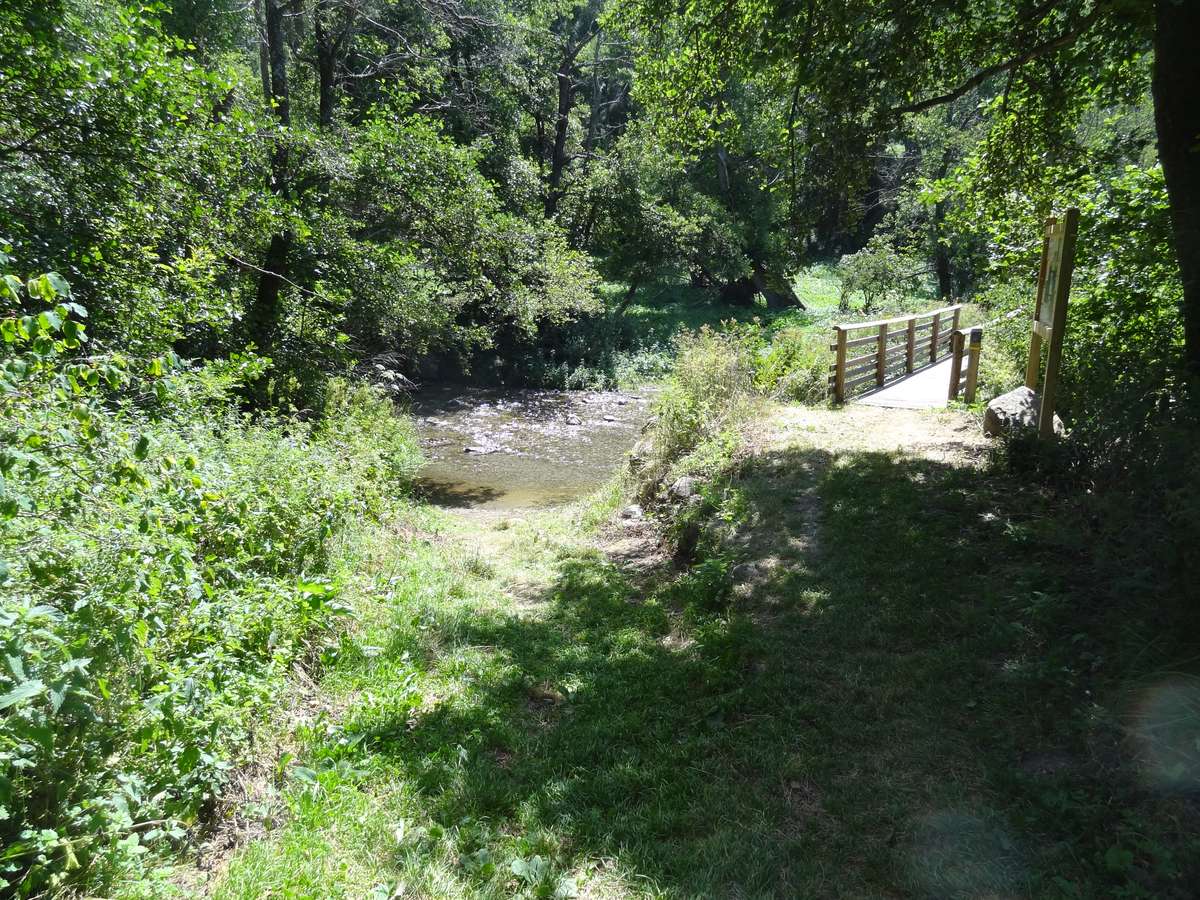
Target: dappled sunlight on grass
849,726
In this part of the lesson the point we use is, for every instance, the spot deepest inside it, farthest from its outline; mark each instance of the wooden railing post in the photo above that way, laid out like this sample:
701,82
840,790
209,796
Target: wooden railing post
911,347
956,356
957,313
933,339
839,372
881,355
973,364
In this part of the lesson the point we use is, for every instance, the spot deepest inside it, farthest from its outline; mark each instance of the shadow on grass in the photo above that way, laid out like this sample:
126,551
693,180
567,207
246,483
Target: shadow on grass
456,496
863,725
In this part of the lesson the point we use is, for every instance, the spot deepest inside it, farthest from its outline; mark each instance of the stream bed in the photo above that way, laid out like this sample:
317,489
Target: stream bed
501,448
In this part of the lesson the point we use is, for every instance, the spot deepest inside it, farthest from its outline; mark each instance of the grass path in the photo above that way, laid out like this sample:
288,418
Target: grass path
859,695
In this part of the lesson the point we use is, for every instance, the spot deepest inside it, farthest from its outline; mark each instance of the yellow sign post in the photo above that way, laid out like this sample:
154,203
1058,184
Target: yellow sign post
1050,312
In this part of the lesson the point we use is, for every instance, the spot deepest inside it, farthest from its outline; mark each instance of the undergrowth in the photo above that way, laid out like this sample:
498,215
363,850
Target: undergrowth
164,561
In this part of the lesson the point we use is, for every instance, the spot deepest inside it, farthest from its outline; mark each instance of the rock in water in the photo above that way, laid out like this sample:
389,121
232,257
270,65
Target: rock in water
1014,412
480,448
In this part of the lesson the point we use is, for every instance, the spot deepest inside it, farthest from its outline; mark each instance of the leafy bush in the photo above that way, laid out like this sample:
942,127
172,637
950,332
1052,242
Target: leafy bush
878,274
795,366
164,561
709,395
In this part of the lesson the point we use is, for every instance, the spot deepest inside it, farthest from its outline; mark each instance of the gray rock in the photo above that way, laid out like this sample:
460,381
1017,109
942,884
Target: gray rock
751,573
480,448
683,488
574,420
743,573
610,418
632,511
640,453
1015,412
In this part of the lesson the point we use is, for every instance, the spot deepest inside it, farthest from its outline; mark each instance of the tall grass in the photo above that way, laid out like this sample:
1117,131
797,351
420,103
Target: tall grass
166,562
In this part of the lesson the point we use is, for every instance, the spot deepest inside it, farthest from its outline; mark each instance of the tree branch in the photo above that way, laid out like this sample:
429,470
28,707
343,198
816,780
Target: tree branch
1063,40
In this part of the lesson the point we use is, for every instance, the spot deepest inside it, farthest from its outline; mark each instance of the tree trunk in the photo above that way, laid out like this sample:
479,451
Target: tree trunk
723,170
566,99
941,256
264,61
558,155
327,47
629,295
262,319
1177,121
277,59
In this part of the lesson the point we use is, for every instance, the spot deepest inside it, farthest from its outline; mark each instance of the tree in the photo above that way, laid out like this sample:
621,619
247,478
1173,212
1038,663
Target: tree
853,69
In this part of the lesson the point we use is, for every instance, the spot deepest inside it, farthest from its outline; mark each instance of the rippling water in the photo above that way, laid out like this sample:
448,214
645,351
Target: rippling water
510,448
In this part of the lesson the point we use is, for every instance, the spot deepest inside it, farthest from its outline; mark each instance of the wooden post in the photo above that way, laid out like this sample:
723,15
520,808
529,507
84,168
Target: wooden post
956,355
933,339
1034,362
954,325
881,355
911,347
973,364
839,371
1054,354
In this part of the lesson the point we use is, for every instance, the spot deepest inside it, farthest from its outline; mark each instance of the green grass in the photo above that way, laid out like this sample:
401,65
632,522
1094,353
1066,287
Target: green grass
924,698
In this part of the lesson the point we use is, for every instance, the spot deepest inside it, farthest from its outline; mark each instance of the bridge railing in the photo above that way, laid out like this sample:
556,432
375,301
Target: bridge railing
965,346
889,349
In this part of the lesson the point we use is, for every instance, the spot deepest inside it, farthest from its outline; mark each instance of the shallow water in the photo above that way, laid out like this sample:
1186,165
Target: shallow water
503,448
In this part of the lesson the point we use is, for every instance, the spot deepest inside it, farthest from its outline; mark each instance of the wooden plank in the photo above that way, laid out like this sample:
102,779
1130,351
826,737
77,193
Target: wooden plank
860,326
973,353
1034,362
910,344
881,353
839,381
857,342
956,358
862,379
860,370
1054,354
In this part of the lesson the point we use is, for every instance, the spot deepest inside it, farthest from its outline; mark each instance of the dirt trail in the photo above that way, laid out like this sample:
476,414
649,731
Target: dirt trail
819,435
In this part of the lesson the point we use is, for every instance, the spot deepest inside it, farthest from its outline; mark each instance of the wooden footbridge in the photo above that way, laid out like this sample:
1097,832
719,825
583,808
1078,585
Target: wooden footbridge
913,362
926,359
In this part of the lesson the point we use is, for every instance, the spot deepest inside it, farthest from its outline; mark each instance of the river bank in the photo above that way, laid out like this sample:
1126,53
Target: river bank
540,703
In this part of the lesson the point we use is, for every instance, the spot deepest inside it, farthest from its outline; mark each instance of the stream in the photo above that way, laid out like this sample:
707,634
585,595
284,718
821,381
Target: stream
505,449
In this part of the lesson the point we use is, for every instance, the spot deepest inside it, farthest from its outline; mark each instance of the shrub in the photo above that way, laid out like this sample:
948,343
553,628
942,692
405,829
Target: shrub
164,562
878,274
795,366
709,395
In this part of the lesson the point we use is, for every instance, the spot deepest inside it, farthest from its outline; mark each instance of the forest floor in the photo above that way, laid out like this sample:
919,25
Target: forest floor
871,701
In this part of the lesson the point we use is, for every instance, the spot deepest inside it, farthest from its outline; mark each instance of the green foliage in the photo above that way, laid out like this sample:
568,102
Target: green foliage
878,274
794,365
710,393
165,562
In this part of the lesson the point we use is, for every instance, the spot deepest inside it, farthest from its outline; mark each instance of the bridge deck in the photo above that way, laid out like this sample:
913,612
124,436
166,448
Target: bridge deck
924,389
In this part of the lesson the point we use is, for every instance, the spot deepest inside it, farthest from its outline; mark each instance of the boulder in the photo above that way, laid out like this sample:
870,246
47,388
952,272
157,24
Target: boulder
683,488
640,453
1015,412
632,511
574,420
